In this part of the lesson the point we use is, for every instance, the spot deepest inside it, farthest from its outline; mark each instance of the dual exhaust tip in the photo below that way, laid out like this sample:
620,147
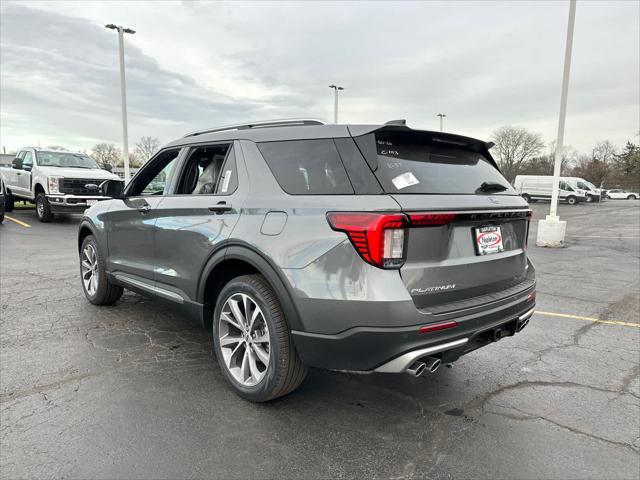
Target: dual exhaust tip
424,365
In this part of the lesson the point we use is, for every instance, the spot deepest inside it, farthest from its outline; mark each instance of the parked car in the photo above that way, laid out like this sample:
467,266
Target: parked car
539,187
56,181
618,194
372,248
2,200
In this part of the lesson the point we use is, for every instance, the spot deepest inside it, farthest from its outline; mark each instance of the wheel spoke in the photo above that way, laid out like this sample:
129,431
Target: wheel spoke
246,304
244,367
255,373
256,313
262,355
225,316
235,309
86,264
229,339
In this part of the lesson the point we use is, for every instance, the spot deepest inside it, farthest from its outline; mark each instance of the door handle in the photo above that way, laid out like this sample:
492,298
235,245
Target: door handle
220,207
146,208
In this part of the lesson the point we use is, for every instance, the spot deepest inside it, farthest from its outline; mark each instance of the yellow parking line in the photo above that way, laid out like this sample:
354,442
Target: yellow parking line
19,222
589,319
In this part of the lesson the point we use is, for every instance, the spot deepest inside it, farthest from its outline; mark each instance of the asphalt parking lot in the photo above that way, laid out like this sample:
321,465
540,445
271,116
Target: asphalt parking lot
132,391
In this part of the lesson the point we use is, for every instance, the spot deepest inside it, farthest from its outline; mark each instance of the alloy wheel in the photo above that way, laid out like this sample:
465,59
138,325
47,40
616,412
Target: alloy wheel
40,207
89,267
244,339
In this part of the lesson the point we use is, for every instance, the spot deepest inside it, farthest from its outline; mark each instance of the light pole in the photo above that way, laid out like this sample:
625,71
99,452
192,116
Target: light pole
441,115
551,230
123,90
335,102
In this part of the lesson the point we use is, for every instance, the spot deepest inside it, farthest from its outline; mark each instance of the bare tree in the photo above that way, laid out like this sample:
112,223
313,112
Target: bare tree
146,148
106,153
604,152
515,147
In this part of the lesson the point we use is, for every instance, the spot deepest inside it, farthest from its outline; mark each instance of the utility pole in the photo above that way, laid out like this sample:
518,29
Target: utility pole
441,115
551,230
335,102
123,91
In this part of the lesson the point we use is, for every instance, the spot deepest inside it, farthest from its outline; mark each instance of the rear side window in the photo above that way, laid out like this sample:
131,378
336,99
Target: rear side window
411,163
307,167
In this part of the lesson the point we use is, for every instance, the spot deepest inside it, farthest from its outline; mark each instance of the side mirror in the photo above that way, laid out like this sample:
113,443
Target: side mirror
112,188
17,163
108,167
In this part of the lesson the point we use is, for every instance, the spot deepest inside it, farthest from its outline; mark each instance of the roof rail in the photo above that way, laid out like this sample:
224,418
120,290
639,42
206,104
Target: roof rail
291,122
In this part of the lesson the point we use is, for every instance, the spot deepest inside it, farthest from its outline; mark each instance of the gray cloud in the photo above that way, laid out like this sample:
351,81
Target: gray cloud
484,64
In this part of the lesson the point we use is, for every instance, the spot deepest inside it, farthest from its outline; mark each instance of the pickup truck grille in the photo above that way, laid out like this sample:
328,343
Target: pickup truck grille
76,186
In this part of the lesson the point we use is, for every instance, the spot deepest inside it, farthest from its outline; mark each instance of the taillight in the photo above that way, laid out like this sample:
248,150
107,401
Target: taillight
431,219
379,238
434,327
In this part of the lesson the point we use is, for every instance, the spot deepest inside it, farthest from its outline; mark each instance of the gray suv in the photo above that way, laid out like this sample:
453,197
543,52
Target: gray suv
371,248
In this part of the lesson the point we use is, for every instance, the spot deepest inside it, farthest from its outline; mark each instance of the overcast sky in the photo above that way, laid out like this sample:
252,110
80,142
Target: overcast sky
194,65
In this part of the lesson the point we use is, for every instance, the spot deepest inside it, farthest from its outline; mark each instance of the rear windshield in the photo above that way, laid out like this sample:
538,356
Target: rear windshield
409,165
307,167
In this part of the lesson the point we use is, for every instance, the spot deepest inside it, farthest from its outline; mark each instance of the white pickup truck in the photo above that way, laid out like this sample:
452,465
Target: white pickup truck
56,181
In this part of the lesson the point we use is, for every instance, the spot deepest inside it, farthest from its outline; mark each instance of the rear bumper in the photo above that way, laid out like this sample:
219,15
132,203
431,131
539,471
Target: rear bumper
72,203
393,349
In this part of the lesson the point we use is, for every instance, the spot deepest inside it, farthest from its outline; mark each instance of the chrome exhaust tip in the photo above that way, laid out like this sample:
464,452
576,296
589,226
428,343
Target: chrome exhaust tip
416,368
432,363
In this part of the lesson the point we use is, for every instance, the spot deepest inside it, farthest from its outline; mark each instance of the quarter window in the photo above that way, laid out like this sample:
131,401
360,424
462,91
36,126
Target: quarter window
307,167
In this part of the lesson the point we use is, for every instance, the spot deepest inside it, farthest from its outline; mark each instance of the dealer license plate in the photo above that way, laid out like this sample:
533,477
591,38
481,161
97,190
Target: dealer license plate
488,240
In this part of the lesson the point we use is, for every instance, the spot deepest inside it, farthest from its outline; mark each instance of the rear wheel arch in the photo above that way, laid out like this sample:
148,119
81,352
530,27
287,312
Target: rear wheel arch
237,260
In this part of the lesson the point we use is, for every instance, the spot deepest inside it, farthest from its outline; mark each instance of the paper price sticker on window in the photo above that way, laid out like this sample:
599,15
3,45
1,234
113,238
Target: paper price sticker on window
405,180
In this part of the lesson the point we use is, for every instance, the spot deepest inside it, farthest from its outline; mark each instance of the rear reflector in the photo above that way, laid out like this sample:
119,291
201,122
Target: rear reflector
434,327
379,238
531,297
431,219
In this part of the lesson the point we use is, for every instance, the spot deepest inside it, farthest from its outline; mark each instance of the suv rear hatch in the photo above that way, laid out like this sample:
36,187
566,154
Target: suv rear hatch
468,230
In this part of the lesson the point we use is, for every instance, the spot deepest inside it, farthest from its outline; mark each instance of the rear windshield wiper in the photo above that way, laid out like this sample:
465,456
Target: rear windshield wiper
491,187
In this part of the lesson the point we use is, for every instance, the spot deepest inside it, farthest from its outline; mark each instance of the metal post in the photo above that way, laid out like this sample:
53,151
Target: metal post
553,211
123,91
441,115
551,230
335,102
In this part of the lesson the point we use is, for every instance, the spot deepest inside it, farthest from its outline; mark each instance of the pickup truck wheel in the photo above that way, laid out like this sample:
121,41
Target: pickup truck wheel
43,209
8,203
252,342
95,283
571,200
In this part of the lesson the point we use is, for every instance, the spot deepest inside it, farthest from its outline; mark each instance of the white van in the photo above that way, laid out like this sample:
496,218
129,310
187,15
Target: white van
538,187
591,192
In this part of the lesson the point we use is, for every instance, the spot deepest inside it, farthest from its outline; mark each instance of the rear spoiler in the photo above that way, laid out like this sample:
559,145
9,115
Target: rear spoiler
368,149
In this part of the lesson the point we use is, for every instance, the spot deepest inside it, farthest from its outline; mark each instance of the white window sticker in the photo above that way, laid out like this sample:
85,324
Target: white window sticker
225,182
405,180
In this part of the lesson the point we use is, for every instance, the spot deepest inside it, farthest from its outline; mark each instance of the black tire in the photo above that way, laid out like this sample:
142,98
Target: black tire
571,200
2,217
8,203
631,197
285,371
43,209
106,293
527,197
